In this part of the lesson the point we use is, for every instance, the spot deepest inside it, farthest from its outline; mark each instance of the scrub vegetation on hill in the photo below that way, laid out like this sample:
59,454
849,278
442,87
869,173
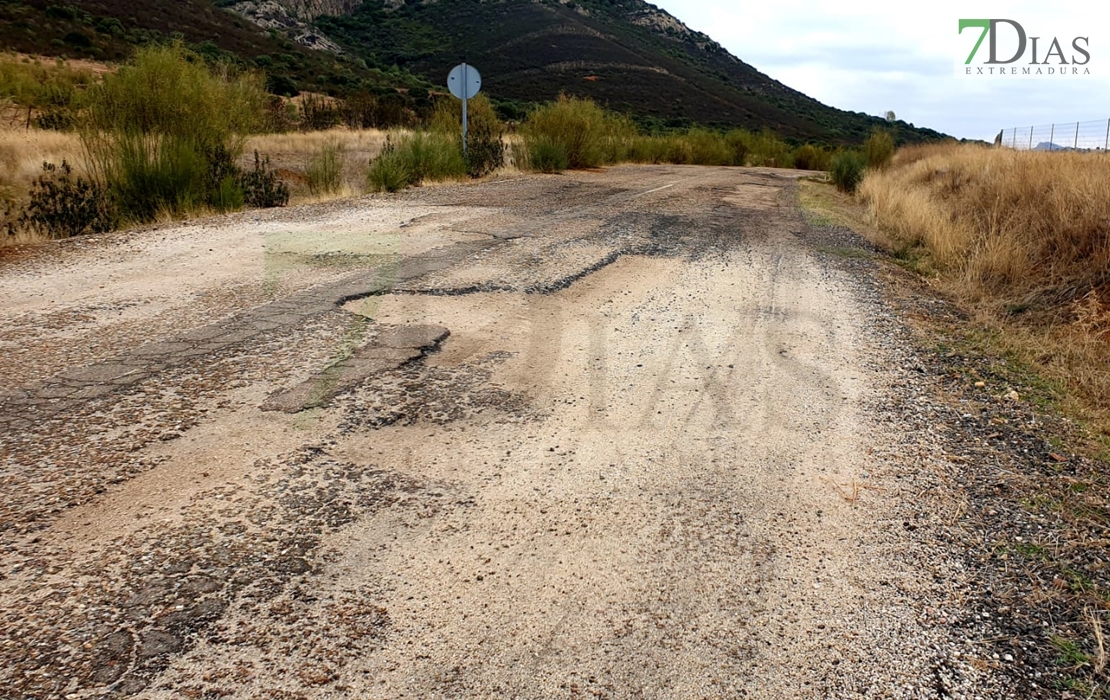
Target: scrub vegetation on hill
626,55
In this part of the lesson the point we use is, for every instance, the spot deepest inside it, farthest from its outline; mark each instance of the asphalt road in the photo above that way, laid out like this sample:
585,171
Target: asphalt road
613,434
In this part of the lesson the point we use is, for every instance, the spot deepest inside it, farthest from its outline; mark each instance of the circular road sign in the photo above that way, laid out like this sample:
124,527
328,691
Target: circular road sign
464,81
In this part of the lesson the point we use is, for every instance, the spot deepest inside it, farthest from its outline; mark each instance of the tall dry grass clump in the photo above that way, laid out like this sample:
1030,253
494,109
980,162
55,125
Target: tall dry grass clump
23,151
22,155
1022,238
324,170
1016,226
301,145
879,149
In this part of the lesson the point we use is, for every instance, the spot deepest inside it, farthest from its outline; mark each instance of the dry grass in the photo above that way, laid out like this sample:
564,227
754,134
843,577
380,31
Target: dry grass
23,151
1021,240
852,492
292,153
1094,619
368,141
1007,227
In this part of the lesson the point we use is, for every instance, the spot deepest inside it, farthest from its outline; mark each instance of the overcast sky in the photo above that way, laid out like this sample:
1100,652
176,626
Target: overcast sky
876,56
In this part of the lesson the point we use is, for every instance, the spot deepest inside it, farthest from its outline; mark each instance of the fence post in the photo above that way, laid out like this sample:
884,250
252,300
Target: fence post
1075,146
1106,146
1030,138
1052,138
1014,142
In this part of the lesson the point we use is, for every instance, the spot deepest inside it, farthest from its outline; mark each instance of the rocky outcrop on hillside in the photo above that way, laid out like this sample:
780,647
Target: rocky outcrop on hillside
294,18
309,10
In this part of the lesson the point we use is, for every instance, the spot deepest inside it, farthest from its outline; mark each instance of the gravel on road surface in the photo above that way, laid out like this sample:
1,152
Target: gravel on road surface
644,432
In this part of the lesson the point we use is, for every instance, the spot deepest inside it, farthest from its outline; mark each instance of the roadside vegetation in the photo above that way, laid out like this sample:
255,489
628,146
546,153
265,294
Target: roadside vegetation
1020,239
573,133
163,134
87,148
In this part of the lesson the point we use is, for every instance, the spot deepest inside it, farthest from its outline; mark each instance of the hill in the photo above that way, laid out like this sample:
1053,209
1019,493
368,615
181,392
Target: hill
626,54
108,30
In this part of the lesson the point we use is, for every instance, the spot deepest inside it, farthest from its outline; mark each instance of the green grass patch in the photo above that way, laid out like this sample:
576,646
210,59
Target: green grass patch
1071,654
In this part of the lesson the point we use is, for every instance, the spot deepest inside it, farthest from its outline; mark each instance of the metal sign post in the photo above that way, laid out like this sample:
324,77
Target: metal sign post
464,82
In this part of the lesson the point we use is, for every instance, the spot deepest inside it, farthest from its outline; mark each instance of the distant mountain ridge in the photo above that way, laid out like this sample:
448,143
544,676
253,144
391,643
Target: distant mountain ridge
627,54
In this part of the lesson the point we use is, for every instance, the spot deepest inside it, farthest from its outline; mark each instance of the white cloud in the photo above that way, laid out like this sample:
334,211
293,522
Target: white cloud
873,56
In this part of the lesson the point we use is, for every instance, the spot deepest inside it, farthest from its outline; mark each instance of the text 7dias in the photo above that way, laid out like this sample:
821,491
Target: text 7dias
1079,56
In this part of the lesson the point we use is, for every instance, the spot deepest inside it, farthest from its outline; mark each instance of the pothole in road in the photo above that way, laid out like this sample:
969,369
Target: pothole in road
418,393
231,570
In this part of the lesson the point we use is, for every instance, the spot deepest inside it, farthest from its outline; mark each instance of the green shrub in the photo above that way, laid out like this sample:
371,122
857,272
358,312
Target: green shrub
228,195
810,157
677,150
432,157
387,172
740,141
649,149
170,90
55,90
261,186
54,119
767,150
163,133
879,149
279,85
360,111
697,146
847,170
325,169
318,113
617,138
415,158
485,150
447,115
579,128
278,116
62,205
153,175
546,155
708,148
222,190
157,175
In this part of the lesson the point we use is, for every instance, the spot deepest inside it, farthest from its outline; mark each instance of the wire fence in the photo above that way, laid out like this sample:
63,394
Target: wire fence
1069,136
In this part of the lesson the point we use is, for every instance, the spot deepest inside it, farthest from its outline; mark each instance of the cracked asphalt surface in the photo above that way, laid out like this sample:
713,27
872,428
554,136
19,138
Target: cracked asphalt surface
632,433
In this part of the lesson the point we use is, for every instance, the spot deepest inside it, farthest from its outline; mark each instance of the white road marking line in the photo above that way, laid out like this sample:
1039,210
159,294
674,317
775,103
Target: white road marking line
655,190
